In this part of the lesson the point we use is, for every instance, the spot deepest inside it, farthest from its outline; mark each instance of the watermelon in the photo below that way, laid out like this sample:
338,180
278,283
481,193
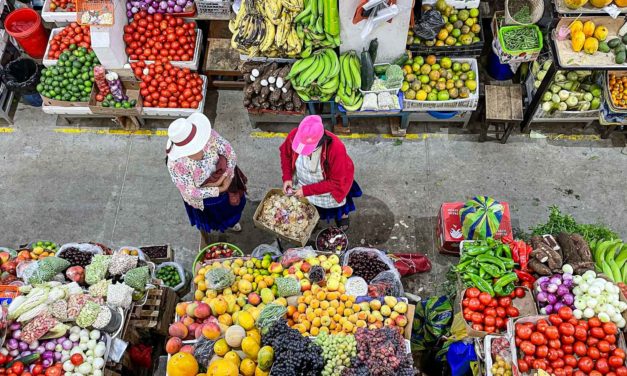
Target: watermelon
480,218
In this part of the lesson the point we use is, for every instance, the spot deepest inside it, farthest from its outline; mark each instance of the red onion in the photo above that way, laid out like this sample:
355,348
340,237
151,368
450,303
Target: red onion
15,326
50,346
67,344
12,344
17,334
26,353
14,353
47,363
48,355
23,346
57,356
40,349
61,339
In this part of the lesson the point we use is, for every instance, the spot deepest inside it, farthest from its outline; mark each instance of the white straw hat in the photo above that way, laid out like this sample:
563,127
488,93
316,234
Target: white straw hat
187,136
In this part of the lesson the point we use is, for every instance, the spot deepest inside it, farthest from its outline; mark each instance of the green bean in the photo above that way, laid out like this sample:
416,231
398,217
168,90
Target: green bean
520,39
523,15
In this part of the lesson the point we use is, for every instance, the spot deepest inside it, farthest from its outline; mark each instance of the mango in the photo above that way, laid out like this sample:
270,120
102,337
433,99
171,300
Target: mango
600,3
576,26
601,33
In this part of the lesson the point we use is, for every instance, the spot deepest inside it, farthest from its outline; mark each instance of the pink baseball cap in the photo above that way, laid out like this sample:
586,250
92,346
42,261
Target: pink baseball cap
309,133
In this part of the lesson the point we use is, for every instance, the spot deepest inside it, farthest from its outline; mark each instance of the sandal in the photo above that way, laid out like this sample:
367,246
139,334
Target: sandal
343,223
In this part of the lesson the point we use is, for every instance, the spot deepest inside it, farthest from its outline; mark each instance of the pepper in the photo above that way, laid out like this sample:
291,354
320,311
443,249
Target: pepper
504,291
524,276
462,265
476,250
492,260
508,278
506,252
482,273
515,252
471,269
507,262
492,270
525,251
481,284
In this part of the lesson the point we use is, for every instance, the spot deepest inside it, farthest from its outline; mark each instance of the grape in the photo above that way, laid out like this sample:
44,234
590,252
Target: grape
337,351
380,352
294,355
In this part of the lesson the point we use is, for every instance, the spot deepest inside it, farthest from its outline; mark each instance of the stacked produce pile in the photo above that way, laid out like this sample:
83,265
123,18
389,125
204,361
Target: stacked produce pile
63,6
72,78
287,215
160,37
318,25
268,88
253,315
427,79
569,91
462,27
316,77
166,86
267,28
157,6
586,36
617,87
348,94
71,37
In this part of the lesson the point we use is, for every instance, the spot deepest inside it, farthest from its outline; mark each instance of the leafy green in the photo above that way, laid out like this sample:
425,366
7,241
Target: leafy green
559,222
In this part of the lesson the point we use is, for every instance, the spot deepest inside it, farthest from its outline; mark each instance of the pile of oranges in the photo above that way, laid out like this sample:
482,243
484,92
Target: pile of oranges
618,90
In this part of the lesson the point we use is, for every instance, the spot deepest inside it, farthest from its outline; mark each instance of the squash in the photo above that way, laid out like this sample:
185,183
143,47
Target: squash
588,28
591,46
578,39
600,3
575,4
182,364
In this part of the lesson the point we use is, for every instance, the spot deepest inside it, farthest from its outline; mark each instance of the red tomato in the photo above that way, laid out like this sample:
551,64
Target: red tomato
603,346
539,364
581,333
490,312
567,349
568,340
522,365
541,325
594,322
542,351
517,341
621,371
17,367
489,320
615,361
527,347
537,338
597,332
619,353
570,360
580,348
610,328
591,341
555,319
593,353
512,311
477,317
610,338
595,373
505,301
552,332
602,366
77,359
490,329
38,369
500,323
585,364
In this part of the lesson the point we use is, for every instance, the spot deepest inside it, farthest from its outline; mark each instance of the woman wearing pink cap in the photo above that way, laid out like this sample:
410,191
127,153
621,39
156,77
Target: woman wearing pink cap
203,166
315,165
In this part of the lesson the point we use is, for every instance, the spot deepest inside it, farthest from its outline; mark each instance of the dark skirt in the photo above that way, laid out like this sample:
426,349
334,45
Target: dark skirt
218,215
329,214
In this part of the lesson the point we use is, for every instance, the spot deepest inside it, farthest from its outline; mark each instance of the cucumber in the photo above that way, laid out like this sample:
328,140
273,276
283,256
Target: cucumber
379,70
372,49
367,71
26,360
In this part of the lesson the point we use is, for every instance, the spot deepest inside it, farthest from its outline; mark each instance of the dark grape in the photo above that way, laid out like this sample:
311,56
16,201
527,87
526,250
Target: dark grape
366,264
380,352
294,354
76,257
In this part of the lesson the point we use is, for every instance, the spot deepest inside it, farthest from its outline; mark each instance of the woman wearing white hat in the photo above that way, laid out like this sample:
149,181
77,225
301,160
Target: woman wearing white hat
203,166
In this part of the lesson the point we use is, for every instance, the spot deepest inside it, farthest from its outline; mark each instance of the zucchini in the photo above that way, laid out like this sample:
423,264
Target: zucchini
367,71
372,49
26,360
400,61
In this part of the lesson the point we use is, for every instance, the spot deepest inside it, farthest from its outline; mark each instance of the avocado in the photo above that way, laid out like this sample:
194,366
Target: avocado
620,57
603,47
614,43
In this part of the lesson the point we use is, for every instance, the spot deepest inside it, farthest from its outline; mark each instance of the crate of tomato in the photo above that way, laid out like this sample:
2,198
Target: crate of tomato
66,38
59,11
163,37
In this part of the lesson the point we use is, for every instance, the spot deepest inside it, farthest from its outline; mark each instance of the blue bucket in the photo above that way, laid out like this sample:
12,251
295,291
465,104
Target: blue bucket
33,99
443,115
496,70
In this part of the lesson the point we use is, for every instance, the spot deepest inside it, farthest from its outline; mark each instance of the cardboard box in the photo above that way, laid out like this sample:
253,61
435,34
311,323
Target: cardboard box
57,103
131,89
526,307
449,227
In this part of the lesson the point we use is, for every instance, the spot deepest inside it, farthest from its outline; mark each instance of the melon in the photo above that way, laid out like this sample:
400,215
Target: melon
234,335
182,364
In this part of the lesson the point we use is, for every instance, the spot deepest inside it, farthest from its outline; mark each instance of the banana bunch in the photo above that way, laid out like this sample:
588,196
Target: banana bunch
348,93
316,77
317,28
610,257
266,28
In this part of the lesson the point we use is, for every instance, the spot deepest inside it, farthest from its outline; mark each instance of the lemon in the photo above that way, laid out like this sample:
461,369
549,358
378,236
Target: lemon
246,320
233,357
247,367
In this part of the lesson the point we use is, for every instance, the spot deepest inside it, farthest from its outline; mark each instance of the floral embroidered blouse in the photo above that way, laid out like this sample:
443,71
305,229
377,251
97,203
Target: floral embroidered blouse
189,175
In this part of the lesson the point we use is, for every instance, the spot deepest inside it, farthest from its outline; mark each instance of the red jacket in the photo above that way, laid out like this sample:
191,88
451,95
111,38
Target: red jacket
337,167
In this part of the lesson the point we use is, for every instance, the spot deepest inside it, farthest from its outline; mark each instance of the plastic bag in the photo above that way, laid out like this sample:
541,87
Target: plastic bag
219,278
203,350
293,255
381,13
22,76
179,270
370,102
429,25
367,263
142,256
387,283
287,286
385,101
137,278
432,320
120,295
97,270
121,263
411,263
459,356
46,269
83,247
263,249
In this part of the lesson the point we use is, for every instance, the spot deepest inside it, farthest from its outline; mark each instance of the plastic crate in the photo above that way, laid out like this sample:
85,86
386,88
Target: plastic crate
606,91
191,64
458,4
471,50
505,29
56,17
213,9
51,62
466,104
179,112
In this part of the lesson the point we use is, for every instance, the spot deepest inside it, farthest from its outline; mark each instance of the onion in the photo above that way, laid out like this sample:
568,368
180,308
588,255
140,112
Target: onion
552,299
23,346
548,309
568,299
150,10
67,345
17,334
562,290
47,363
556,280
542,279
57,356
34,345
48,355
15,326
557,306
12,344
14,353
177,9
568,283
40,349
542,297
163,4
61,339
50,346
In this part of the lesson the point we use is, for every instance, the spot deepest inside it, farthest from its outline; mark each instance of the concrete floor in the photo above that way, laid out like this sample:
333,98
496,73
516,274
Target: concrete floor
115,189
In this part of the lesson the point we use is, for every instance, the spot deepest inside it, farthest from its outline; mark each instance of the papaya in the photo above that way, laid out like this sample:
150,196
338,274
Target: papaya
578,39
600,33
588,28
600,3
591,46
576,26
575,4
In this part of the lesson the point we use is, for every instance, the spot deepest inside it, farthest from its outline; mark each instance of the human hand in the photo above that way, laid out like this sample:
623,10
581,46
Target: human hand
225,185
217,183
287,187
299,193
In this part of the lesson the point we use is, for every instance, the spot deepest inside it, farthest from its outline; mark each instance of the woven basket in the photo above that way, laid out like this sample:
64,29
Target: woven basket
536,10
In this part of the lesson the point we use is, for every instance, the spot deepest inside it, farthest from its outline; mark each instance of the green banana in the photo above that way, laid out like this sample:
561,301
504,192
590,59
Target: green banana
306,52
356,106
624,273
593,244
355,66
327,65
309,71
299,67
346,72
609,261
599,255
308,79
622,254
302,15
331,86
607,270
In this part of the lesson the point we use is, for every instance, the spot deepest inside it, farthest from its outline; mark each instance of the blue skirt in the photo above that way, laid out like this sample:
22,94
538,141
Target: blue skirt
329,214
218,215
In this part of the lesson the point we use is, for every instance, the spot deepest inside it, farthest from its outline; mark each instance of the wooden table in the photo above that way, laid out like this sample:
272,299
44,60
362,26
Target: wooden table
504,110
222,61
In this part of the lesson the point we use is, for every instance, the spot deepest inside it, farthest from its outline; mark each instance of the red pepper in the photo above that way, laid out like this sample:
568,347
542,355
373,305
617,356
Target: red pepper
523,276
524,252
515,252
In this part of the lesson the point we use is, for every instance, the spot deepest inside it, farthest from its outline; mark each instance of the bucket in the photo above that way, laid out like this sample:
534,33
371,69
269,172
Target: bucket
33,99
496,70
26,27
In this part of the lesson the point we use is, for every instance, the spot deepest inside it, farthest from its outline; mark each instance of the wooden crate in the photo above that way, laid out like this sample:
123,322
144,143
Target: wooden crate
168,254
157,313
222,65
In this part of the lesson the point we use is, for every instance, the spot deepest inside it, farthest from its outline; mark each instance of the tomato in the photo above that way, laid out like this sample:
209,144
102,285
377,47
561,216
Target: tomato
522,365
500,323
585,364
594,322
610,338
541,325
542,351
597,332
619,353
567,349
488,311
489,320
610,328
616,361
570,360
552,332
595,373
527,347
602,366
505,301
490,329
512,311
621,371
54,371
580,348
517,340
17,367
591,341
539,364
537,338
555,319
38,369
77,359
593,353
604,346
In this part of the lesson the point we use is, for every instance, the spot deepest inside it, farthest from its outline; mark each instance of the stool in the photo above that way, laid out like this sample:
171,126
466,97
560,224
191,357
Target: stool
503,110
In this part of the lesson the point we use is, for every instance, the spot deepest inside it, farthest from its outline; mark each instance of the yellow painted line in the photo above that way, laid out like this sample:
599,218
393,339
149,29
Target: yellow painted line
6,130
268,135
574,137
357,136
116,132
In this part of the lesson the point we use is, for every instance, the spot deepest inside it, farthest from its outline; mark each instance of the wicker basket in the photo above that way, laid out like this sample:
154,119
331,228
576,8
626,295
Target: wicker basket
536,10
